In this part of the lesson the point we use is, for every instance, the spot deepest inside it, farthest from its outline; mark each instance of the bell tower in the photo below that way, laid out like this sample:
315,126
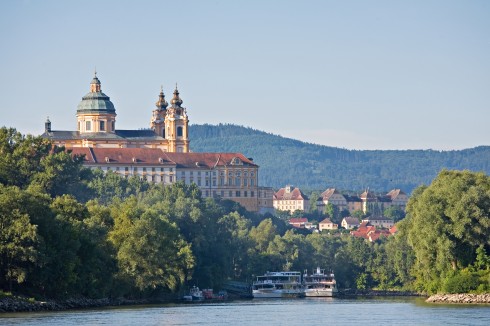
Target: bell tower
177,125
157,123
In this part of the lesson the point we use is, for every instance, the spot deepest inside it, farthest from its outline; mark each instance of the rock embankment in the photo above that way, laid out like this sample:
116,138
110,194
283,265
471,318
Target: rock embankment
10,304
459,298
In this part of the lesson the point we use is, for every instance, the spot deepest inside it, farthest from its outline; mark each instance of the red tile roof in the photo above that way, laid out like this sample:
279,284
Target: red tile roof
295,194
157,156
395,193
208,160
298,220
393,229
328,193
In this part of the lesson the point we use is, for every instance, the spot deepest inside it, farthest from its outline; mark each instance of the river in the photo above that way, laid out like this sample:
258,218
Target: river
307,311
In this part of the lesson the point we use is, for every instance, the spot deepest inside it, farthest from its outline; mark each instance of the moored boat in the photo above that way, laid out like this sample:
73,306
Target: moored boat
194,295
320,284
278,285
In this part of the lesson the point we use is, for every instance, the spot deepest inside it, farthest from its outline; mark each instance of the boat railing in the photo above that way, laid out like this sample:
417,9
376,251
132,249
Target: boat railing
275,281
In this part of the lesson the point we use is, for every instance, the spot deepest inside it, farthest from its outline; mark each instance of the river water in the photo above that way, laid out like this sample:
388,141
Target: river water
307,311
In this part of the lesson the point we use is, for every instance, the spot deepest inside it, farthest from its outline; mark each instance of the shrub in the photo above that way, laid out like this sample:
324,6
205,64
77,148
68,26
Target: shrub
461,282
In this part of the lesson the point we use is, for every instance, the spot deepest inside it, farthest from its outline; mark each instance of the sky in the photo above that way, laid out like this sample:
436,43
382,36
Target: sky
350,74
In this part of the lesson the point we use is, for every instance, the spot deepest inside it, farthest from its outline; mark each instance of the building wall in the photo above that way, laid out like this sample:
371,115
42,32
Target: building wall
291,205
237,183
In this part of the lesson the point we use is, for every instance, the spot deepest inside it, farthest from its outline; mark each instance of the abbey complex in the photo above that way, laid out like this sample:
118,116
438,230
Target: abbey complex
162,154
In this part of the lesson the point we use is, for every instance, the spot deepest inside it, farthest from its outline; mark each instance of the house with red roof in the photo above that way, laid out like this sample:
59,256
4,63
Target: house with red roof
369,232
298,222
290,199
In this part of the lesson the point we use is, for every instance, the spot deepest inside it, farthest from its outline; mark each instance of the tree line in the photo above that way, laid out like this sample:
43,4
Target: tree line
66,231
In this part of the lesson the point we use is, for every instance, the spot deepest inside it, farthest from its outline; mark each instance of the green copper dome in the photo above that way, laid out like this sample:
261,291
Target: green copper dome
95,101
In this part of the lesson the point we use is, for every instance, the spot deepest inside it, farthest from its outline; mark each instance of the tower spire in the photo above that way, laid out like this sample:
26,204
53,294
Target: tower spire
161,104
176,100
95,83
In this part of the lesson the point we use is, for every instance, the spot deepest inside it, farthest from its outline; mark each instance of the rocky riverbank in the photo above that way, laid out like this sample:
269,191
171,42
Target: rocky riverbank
19,304
459,298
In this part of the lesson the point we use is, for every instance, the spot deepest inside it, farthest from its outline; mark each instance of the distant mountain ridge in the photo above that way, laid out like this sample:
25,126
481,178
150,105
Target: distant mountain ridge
317,167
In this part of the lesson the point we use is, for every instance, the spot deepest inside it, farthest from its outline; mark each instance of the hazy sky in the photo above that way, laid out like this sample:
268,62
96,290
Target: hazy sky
352,74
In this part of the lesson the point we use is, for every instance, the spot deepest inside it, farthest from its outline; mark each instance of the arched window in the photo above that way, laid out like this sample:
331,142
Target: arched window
163,132
179,131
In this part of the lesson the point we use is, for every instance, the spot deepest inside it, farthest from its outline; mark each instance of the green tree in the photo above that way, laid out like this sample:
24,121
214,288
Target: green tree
18,238
20,157
154,254
62,174
332,211
233,235
448,222
395,213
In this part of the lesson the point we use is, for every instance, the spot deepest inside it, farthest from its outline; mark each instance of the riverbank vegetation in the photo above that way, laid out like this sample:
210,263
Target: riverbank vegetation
67,231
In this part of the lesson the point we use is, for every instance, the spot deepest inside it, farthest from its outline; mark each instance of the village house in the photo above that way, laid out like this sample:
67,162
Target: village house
365,202
369,232
327,224
291,199
349,223
379,221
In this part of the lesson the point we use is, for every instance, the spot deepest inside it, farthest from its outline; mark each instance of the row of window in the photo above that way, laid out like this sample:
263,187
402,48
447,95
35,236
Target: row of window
102,125
179,132
222,173
237,182
229,194
143,169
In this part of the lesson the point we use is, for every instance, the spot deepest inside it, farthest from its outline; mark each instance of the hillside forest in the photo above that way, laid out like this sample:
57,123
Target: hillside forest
311,167
67,231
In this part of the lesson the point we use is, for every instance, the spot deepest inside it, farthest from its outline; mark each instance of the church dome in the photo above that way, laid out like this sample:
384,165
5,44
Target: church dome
176,100
95,101
161,104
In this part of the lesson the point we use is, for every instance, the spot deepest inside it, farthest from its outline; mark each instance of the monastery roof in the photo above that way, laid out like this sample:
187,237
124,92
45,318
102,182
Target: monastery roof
141,135
157,156
209,160
123,155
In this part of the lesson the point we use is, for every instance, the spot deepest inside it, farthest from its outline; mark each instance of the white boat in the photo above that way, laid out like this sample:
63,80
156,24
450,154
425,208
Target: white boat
194,295
278,285
320,284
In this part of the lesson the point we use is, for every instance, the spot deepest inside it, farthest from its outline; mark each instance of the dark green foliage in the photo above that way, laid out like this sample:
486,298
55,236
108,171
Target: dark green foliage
460,282
448,223
287,161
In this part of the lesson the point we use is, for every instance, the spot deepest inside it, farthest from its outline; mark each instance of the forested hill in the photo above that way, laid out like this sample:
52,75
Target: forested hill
315,167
